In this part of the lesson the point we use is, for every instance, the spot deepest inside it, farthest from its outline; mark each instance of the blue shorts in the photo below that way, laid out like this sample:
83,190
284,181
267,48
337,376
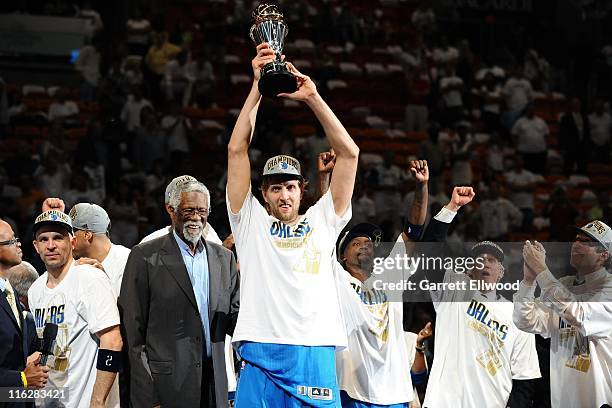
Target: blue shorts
348,402
282,375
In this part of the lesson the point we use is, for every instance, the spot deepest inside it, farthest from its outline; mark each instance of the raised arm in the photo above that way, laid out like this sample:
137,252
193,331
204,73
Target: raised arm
238,164
347,152
418,209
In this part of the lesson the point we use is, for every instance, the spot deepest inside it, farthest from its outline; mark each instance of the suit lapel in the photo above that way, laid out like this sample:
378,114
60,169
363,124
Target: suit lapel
172,259
7,308
214,278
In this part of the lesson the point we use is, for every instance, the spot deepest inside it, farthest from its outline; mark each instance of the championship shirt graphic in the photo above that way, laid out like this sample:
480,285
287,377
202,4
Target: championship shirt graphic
54,312
570,338
298,236
378,306
481,320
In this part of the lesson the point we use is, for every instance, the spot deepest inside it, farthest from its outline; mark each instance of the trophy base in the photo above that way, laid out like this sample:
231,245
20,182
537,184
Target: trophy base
275,79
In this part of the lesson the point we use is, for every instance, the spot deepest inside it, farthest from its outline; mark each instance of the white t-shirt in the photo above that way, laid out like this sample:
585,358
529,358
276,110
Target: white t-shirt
82,304
130,113
580,341
479,350
209,234
288,293
522,199
601,127
114,265
518,93
531,134
375,367
453,97
59,110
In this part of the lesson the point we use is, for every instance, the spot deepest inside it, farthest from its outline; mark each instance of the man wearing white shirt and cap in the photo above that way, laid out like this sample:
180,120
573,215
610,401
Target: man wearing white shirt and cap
575,313
209,233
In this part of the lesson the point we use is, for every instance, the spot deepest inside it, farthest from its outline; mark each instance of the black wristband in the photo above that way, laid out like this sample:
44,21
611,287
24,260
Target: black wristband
413,231
109,360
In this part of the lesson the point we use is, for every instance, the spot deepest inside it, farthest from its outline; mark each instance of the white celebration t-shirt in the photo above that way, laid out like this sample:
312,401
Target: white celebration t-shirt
288,293
82,304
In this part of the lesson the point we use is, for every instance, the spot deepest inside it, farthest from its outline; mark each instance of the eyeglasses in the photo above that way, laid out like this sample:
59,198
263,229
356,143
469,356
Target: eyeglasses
14,241
188,212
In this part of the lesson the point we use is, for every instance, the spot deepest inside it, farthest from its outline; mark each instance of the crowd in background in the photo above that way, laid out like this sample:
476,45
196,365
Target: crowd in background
129,128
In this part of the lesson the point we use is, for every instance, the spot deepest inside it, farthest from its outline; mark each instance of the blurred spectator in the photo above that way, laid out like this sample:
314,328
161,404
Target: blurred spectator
123,212
561,213
31,198
530,133
130,114
174,82
62,108
138,31
201,77
495,156
537,70
496,215
572,139
16,107
444,54
451,90
88,65
460,156
160,52
465,63
55,143
87,12
364,208
490,93
21,277
81,191
387,196
424,19
522,184
600,126
601,210
431,151
176,128
314,145
150,142
53,175
517,93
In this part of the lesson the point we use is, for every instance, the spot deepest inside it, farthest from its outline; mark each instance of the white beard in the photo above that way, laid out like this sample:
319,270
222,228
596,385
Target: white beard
193,237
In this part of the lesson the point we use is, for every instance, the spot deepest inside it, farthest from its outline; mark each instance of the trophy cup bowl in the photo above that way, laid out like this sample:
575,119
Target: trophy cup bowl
269,27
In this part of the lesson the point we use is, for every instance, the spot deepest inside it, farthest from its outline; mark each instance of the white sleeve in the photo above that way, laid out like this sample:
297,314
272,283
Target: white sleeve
98,304
239,221
524,363
589,318
211,235
530,314
325,208
450,276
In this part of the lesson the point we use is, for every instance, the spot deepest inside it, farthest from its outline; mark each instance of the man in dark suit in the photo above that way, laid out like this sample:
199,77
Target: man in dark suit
179,298
15,340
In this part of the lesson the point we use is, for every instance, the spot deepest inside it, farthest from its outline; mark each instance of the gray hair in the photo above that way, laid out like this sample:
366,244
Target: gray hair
22,276
192,186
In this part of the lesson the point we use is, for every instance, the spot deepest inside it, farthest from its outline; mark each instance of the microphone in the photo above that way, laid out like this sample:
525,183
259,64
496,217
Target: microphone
49,335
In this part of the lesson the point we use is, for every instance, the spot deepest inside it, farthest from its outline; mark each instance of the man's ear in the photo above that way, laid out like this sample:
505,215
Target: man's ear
35,246
169,209
73,241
